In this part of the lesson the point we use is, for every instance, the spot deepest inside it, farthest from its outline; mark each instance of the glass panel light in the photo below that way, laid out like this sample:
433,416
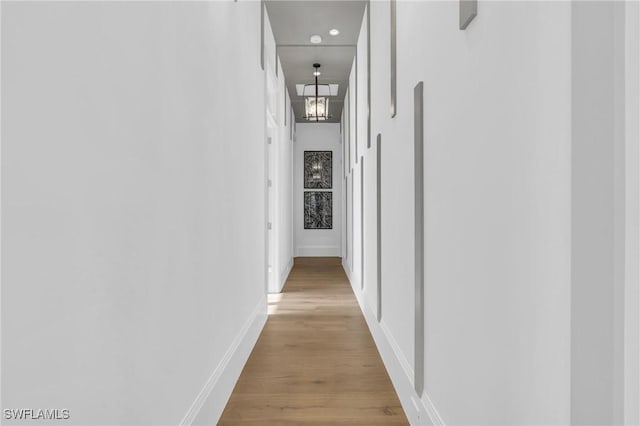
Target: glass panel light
316,106
316,111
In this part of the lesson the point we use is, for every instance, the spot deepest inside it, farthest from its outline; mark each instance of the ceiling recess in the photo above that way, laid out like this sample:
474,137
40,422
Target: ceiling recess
293,23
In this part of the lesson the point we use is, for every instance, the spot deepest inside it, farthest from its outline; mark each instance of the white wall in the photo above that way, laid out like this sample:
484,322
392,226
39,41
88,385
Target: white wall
632,217
497,166
132,163
497,203
284,184
597,302
344,173
280,158
351,130
351,184
530,116
317,137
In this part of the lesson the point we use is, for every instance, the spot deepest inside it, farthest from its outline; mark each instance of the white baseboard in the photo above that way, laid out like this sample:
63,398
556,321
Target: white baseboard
210,402
318,251
419,411
347,271
285,275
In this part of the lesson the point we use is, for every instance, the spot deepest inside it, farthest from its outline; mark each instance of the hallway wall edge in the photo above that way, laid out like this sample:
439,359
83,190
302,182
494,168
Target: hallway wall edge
212,399
419,411
285,275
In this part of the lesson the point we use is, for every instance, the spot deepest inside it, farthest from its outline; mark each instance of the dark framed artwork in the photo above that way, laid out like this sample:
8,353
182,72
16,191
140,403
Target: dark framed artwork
318,173
318,210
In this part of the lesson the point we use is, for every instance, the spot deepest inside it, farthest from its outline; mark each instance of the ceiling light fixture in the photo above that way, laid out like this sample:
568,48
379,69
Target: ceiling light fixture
334,32
316,107
304,90
315,39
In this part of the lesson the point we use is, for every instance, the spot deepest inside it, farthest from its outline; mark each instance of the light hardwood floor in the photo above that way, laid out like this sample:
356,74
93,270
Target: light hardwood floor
315,361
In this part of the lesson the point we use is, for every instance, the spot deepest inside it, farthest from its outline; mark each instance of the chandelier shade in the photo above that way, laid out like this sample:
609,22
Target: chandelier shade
316,106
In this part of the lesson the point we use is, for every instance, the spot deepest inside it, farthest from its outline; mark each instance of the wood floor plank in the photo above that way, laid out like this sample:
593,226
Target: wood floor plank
315,361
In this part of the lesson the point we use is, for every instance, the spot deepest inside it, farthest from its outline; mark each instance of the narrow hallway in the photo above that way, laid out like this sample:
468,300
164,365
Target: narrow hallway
315,361
327,212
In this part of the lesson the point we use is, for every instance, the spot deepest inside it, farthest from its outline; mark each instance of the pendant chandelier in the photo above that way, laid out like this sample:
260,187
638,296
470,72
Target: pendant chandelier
316,107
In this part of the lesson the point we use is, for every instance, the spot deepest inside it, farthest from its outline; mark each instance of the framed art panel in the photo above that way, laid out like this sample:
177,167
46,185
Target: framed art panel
318,210
318,172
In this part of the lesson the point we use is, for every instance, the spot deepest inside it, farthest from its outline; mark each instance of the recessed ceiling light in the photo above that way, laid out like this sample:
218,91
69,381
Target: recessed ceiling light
334,32
315,39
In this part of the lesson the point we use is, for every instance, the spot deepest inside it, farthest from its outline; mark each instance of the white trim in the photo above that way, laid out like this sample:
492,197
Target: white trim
404,363
210,402
347,271
313,251
284,275
430,408
419,411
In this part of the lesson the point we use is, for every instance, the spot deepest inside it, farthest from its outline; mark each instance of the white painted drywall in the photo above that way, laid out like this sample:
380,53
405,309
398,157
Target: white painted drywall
132,194
598,236
284,184
367,270
352,170
530,117
271,152
497,206
280,158
497,163
632,217
316,137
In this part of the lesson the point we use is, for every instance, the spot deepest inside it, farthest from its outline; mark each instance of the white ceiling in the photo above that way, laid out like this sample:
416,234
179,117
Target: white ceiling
293,22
